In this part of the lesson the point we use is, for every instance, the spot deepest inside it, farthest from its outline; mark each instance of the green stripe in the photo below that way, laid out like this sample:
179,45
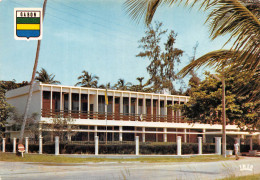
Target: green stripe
22,20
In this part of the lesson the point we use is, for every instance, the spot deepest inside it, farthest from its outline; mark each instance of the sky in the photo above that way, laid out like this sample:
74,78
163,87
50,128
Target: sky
97,36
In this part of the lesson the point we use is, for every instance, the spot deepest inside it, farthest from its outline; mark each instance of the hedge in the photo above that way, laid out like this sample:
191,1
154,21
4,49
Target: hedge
164,149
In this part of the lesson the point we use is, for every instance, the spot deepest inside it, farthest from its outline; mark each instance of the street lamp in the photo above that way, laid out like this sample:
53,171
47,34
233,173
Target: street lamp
222,79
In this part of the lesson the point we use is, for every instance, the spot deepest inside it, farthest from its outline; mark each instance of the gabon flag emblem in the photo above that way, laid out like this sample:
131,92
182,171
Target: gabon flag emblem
28,23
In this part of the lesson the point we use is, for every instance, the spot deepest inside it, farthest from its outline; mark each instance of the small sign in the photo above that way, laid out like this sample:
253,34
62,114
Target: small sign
21,148
28,23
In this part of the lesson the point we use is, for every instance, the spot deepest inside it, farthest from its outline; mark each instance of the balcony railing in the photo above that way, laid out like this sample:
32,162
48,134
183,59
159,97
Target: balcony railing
113,116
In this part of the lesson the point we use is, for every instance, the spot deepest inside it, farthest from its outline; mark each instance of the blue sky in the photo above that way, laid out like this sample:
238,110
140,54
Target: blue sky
94,35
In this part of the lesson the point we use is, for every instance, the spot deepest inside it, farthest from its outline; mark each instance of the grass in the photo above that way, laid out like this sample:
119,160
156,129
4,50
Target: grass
249,177
62,159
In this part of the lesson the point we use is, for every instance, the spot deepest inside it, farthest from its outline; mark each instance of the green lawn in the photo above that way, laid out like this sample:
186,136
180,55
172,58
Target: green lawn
62,159
250,177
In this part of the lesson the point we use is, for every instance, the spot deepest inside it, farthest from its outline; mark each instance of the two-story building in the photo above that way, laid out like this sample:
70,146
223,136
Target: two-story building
127,114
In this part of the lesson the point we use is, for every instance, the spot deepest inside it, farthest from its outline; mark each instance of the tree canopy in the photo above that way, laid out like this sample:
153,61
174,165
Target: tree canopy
44,77
4,110
240,19
205,103
88,80
162,59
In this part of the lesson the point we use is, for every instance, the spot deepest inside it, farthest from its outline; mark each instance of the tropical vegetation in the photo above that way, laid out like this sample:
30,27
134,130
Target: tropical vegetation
162,59
4,110
44,77
88,80
205,103
238,18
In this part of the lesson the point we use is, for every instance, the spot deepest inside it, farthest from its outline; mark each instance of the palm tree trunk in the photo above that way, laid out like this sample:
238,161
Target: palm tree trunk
32,82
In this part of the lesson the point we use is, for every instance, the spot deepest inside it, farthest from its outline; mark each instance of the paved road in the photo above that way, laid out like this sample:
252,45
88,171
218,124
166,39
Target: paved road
128,170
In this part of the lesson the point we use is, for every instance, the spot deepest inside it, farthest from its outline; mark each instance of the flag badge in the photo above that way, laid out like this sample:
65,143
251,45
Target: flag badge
28,23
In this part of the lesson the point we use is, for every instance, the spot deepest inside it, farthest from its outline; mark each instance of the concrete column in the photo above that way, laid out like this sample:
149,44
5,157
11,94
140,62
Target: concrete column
129,106
120,133
26,144
79,103
95,133
158,107
185,136
165,109
164,135
144,106
69,135
204,136
96,105
218,145
152,107
179,111
51,101
3,145
121,104
251,143
40,144
61,105
178,145
57,145
143,134
136,145
199,145
136,105
14,145
70,100
40,129
88,102
238,140
96,145
113,107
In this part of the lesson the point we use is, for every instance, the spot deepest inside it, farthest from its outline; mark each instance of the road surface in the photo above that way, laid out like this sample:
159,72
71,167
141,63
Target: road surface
130,170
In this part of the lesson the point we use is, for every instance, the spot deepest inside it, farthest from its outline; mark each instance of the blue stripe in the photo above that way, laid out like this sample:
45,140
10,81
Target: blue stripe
28,33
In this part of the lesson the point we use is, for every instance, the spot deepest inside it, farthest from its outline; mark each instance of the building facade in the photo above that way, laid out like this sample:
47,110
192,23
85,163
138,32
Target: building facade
127,114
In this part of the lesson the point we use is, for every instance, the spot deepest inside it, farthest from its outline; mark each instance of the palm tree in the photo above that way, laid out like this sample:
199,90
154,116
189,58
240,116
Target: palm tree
88,80
239,18
122,85
46,78
107,86
32,81
140,79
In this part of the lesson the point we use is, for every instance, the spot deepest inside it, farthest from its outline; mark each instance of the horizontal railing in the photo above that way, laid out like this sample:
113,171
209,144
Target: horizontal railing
113,116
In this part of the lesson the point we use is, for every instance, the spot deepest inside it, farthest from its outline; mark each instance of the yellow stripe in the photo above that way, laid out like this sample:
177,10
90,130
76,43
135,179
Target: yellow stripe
28,26
106,99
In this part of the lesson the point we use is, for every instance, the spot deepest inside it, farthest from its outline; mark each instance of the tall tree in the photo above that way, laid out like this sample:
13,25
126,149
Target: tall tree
4,110
32,82
88,80
44,77
122,85
140,79
205,103
162,62
239,18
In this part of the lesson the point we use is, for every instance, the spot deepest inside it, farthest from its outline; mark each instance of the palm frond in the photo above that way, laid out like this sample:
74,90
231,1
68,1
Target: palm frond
138,9
215,59
233,17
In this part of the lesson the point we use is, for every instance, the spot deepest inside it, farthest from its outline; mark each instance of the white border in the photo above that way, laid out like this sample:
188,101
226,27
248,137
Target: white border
41,29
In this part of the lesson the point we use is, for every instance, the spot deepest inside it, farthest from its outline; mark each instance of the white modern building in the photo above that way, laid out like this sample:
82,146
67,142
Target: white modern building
128,114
